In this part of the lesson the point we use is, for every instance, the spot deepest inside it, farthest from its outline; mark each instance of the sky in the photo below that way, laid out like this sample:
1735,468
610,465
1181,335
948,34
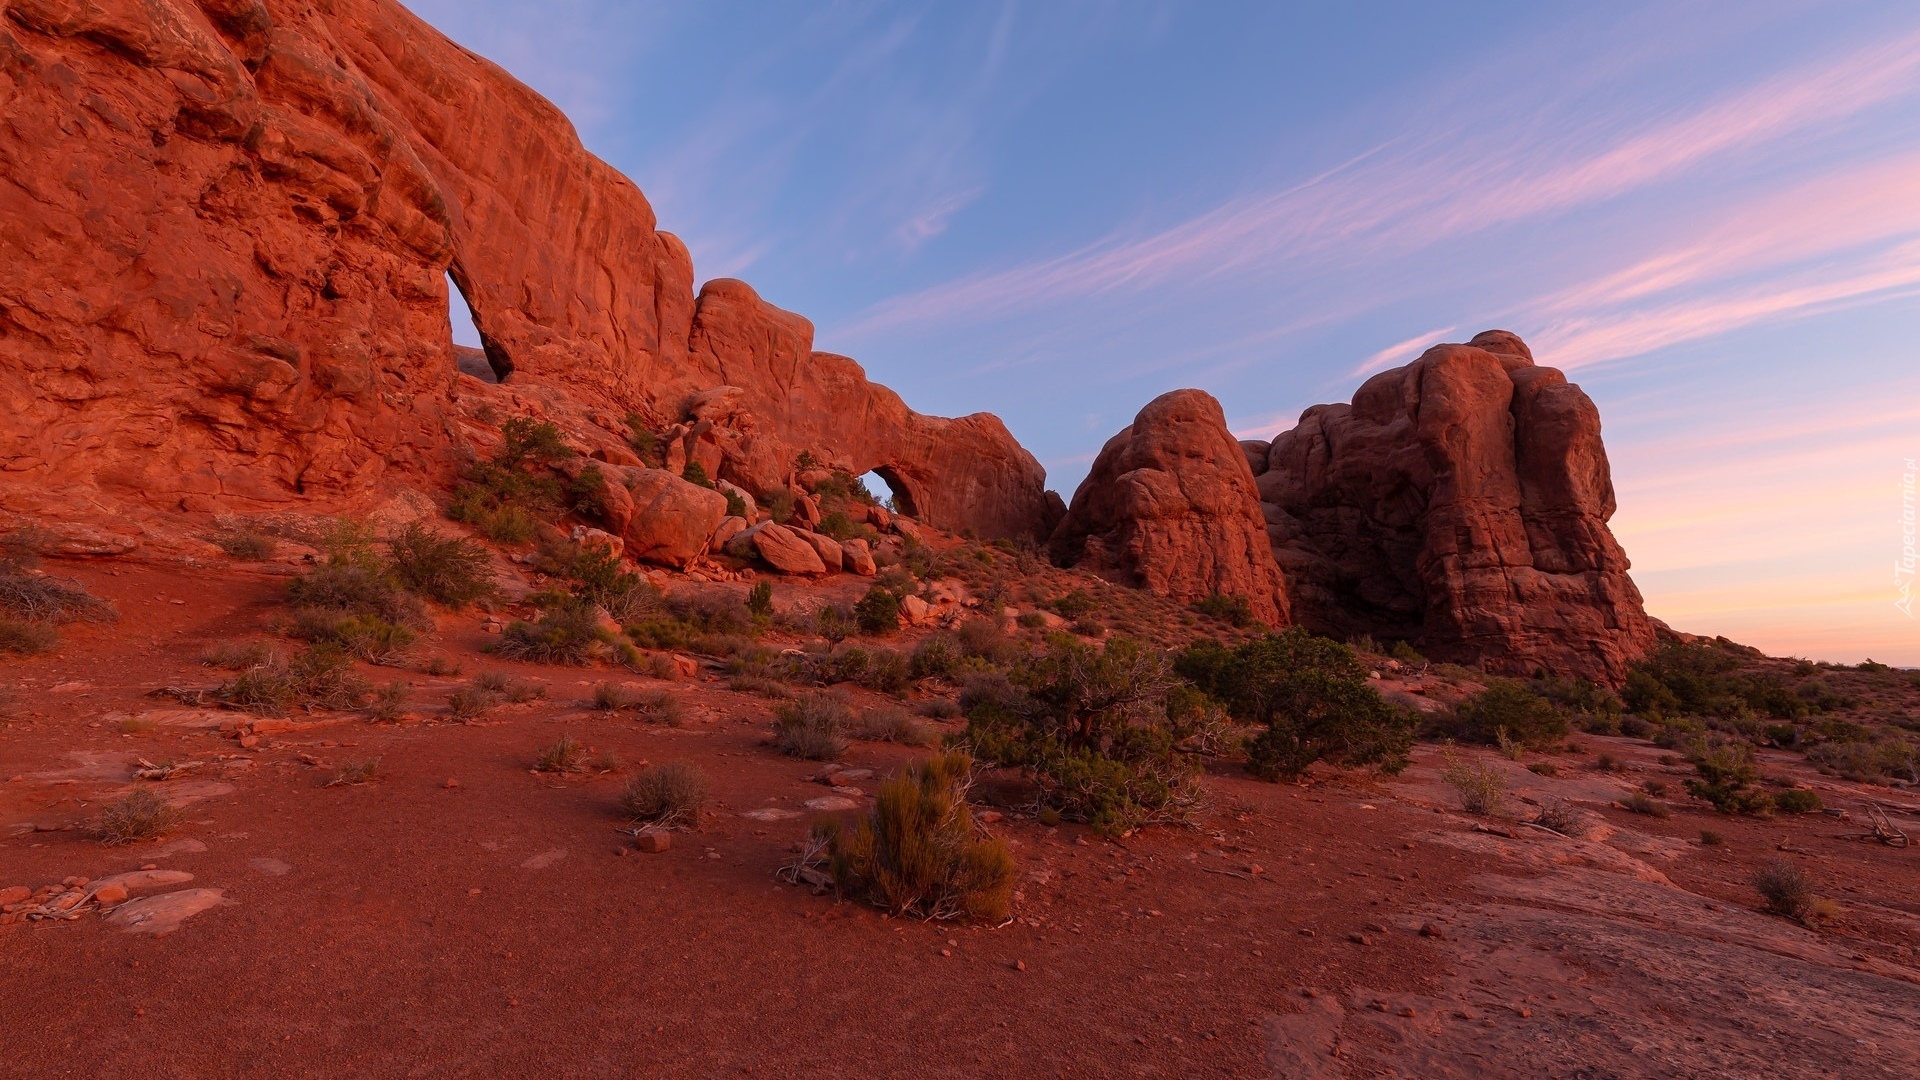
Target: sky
1707,214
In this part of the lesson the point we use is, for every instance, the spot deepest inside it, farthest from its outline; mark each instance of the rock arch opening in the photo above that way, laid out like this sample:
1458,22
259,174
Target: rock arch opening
472,352
886,484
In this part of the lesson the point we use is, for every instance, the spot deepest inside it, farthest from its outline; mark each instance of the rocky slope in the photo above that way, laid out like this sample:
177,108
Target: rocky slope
230,225
1170,506
1460,503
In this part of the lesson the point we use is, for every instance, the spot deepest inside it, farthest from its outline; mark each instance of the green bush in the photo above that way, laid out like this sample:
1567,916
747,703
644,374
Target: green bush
367,637
449,569
891,723
1704,679
1231,609
918,854
696,473
1509,706
354,588
247,545
645,444
878,612
502,497
1090,725
1728,776
1796,801
1313,696
760,599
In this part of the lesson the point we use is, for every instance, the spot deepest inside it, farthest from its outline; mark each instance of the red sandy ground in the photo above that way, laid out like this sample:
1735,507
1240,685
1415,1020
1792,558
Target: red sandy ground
503,927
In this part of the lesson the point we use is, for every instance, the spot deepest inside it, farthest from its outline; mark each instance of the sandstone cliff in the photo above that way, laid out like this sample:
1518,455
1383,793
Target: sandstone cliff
228,227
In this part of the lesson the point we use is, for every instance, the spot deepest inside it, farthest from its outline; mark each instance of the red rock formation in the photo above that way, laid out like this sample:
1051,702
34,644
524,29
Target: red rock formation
1170,506
228,226
1460,503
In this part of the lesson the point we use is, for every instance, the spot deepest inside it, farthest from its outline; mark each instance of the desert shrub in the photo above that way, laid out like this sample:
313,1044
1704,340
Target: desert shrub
696,473
1073,605
33,604
353,588
568,632
449,569
26,638
839,526
563,756
669,795
937,656
503,497
390,703
1562,817
878,612
939,709
658,706
440,665
812,726
510,687
760,600
613,697
1313,696
1544,768
1796,801
641,437
1710,838
987,640
138,815
917,853
887,671
1641,802
1481,785
1728,776
1406,653
1510,706
1091,726
318,677
834,622
368,637
1705,679
587,492
355,772
1230,609
1789,892
779,504
1031,620
1867,762
246,544
237,655
468,702
890,723
759,684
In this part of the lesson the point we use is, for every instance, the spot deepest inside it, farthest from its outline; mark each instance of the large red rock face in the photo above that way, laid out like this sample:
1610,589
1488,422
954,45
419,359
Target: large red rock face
228,226
1460,503
1170,506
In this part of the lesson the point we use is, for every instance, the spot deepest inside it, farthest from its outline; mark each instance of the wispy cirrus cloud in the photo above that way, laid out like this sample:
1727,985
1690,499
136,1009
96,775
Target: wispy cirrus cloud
1428,185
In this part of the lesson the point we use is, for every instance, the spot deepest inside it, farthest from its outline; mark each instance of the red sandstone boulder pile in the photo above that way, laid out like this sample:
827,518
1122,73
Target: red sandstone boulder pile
1170,506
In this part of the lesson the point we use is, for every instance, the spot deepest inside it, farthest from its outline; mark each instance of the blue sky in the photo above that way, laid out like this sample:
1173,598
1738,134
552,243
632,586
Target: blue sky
1709,214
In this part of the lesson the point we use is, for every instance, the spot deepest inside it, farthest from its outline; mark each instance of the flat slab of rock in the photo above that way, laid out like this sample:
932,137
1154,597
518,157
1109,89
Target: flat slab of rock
161,915
831,803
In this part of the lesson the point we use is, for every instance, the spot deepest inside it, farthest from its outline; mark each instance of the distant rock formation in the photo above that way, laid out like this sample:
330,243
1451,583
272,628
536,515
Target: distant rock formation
229,226
1459,503
1170,506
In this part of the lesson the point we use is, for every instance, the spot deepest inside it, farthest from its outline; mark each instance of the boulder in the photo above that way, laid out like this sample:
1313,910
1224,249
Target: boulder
783,549
1460,503
879,518
826,546
673,519
856,558
726,531
587,536
916,611
1170,506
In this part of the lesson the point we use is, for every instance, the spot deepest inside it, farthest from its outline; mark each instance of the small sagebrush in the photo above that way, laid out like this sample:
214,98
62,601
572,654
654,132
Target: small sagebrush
450,569
356,772
470,702
563,756
890,723
668,795
1481,785
812,727
237,655
320,677
138,815
390,704
567,633
1788,891
1562,817
247,545
510,687
1642,803
918,853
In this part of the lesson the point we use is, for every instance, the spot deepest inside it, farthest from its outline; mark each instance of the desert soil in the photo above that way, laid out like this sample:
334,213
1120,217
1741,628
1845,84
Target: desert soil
464,916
